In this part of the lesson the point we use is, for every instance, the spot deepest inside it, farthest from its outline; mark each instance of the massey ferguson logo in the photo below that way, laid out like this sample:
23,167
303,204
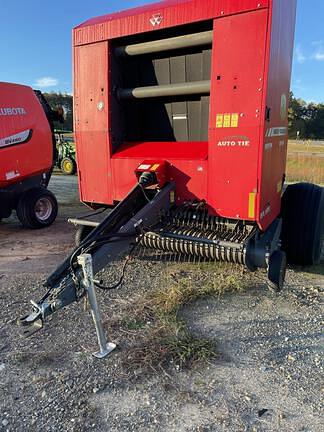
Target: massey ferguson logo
12,111
156,20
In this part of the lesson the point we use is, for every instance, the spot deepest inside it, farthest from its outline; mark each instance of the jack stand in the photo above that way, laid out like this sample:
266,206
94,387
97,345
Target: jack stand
85,261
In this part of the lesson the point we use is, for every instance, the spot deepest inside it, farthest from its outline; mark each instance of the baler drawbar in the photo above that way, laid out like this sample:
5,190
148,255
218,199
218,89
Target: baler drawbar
112,236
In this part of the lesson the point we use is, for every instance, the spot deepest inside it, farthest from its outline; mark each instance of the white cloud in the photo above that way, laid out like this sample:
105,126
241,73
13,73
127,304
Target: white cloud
319,55
300,57
46,82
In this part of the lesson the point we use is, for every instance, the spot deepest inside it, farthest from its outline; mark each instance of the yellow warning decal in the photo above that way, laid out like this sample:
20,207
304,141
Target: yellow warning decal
227,120
279,187
234,120
155,167
219,120
252,201
172,197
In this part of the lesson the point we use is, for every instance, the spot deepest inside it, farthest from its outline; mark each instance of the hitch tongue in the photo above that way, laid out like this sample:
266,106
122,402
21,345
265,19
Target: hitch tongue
85,261
32,323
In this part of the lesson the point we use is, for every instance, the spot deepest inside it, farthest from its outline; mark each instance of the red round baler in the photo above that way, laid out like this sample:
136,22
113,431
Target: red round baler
26,156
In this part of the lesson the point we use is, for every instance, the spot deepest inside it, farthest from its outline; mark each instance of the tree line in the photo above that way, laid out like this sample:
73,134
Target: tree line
306,120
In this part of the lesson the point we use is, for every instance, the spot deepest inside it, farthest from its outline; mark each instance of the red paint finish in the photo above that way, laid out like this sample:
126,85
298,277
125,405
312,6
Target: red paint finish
239,170
92,123
238,66
163,150
174,13
273,153
187,166
26,147
189,176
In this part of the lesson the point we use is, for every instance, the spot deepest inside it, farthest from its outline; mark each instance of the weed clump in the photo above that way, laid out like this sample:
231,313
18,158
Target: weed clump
161,337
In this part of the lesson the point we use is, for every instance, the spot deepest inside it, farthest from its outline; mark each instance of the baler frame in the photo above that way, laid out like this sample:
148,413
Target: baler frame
217,196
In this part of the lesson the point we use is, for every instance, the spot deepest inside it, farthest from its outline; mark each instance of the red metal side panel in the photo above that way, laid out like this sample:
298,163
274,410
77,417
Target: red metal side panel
168,14
91,110
26,146
239,50
189,176
273,159
187,166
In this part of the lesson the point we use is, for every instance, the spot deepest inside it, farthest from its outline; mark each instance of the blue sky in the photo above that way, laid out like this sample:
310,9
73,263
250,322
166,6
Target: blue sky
35,46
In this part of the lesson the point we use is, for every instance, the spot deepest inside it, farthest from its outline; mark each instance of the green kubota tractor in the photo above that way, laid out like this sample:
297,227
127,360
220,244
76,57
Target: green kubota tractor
66,159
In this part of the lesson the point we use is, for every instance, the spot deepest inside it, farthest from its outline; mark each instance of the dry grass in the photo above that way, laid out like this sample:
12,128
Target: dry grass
306,146
184,291
157,335
305,162
301,167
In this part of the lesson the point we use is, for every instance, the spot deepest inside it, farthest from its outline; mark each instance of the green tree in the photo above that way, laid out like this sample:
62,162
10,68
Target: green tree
306,120
296,117
315,125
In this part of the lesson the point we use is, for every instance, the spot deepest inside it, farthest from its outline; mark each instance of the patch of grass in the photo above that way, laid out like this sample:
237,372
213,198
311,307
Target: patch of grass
167,342
185,291
160,338
301,167
306,146
133,324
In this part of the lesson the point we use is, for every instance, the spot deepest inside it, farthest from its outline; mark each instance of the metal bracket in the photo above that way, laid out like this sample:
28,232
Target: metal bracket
30,324
85,261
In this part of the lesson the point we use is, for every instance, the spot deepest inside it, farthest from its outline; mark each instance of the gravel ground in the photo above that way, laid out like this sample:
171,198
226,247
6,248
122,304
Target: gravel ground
268,376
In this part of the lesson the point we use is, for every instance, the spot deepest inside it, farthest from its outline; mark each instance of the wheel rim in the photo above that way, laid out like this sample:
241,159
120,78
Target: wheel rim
68,166
43,209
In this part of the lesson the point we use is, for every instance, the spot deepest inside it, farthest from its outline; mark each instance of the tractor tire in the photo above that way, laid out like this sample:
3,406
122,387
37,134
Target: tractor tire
37,208
302,223
68,166
82,232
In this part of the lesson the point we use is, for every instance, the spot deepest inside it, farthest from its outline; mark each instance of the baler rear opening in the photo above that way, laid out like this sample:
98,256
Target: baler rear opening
165,98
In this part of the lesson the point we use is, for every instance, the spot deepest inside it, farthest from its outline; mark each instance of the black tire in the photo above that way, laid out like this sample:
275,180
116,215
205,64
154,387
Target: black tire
37,208
277,270
302,223
68,166
82,232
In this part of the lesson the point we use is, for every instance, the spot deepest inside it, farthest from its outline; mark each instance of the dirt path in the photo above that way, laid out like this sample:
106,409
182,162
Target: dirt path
38,251
268,375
